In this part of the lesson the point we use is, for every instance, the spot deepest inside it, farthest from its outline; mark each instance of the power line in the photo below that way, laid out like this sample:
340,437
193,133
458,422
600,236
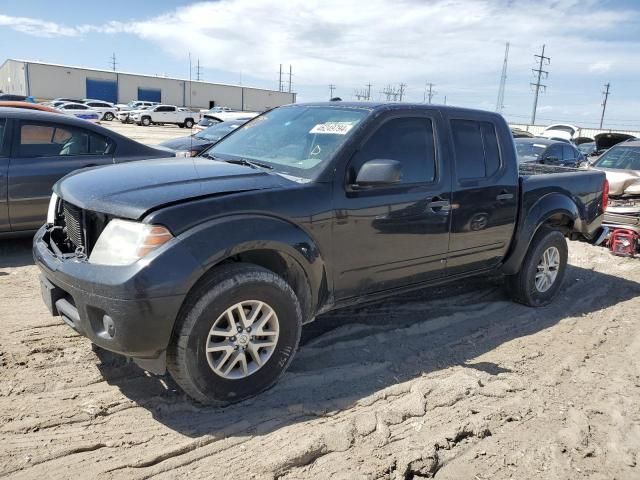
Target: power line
429,92
503,80
604,102
198,69
112,62
541,74
401,90
332,87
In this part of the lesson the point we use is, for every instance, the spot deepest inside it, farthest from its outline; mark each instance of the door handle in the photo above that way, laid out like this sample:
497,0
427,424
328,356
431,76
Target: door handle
504,196
439,206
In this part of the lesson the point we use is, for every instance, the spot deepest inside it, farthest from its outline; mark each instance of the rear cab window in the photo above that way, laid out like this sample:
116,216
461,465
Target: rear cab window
477,154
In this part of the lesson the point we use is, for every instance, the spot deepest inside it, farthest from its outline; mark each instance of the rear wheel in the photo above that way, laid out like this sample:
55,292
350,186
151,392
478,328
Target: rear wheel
108,116
188,123
236,335
542,271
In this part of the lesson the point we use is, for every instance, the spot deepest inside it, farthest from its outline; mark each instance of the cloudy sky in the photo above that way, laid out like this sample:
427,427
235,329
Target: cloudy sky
458,45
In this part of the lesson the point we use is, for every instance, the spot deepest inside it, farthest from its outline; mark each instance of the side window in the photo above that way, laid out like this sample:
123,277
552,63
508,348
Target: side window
569,152
554,151
52,141
476,149
407,140
170,109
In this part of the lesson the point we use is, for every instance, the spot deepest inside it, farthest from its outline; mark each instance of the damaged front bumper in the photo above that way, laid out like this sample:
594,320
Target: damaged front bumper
623,213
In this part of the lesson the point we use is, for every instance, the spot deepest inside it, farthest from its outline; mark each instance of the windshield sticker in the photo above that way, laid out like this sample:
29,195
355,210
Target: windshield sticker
333,128
539,145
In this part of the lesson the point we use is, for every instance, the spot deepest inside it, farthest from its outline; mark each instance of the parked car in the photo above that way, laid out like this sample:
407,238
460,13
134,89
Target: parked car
604,141
162,114
205,123
125,115
134,105
561,131
66,100
621,164
10,97
587,148
198,142
28,106
549,152
79,110
106,110
38,148
519,133
226,116
211,265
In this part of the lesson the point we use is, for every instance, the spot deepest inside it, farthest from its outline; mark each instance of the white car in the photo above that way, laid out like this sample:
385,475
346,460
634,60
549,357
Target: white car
561,131
79,110
162,114
134,105
106,110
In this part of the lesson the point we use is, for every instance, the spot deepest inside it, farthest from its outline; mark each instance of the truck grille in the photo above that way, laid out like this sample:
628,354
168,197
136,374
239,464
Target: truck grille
73,221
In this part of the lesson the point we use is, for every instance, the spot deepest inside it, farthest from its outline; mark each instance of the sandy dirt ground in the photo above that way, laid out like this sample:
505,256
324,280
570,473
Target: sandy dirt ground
452,382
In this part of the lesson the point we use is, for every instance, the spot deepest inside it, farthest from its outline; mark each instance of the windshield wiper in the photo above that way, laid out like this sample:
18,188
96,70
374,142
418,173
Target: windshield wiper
248,163
238,161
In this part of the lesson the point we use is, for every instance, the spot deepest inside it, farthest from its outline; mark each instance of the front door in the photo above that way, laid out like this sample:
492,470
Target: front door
485,192
43,153
395,235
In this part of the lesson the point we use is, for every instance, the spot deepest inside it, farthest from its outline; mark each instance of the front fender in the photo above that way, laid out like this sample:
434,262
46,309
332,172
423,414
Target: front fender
543,209
222,238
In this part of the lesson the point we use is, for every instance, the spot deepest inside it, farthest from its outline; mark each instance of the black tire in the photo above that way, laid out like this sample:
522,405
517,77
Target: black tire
225,286
181,125
108,116
522,286
145,121
188,123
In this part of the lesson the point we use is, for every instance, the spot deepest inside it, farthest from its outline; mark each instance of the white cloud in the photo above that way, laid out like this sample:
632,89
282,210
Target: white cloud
38,28
600,67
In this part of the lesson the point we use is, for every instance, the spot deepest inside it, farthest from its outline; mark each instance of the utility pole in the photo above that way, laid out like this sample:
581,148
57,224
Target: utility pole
541,74
290,74
198,71
280,80
503,81
445,99
112,61
429,92
604,102
402,88
332,87
368,92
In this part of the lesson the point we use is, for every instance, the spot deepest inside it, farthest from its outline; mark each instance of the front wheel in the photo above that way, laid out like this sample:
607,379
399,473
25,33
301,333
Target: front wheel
542,271
108,116
236,335
146,121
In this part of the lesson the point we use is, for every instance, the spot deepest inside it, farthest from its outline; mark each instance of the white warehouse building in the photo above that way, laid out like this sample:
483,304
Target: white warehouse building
46,81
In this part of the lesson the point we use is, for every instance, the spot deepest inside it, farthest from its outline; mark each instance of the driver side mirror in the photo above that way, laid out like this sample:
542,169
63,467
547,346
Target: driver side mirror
379,172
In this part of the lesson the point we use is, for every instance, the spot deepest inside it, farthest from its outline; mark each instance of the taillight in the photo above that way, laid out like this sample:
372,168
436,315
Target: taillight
605,195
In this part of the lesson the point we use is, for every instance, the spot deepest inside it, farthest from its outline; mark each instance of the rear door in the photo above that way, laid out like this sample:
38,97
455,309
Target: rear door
485,192
5,144
43,153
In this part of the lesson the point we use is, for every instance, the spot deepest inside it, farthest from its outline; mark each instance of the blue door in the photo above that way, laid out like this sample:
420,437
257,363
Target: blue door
149,94
106,90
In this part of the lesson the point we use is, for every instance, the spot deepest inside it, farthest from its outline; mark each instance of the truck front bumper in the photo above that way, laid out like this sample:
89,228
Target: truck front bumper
127,310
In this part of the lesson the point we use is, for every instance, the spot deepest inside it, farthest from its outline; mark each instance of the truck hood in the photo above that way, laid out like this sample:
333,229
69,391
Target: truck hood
129,190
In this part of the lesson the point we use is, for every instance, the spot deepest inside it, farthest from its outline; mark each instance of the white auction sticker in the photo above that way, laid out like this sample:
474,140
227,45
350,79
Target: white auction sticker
334,128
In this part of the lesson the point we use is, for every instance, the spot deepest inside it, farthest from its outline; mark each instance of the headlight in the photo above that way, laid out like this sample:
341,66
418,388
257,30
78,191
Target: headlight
123,242
183,153
51,212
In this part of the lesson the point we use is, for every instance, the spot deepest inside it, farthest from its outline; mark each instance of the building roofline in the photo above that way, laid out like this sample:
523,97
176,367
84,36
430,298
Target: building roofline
119,72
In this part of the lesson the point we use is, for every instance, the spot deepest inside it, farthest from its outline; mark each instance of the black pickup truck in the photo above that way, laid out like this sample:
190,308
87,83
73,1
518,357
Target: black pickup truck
209,266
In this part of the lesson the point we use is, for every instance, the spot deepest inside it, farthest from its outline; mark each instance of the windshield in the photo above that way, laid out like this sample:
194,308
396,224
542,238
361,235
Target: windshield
216,132
620,158
296,140
528,149
587,147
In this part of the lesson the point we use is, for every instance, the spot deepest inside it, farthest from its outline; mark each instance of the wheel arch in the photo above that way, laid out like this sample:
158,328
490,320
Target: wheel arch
555,211
272,243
